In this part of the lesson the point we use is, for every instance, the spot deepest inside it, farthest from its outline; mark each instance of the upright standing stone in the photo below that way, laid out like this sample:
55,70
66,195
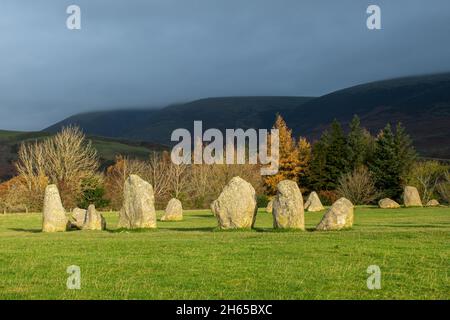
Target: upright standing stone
387,203
339,216
54,215
236,206
174,211
269,207
411,197
313,203
287,209
138,210
78,218
94,220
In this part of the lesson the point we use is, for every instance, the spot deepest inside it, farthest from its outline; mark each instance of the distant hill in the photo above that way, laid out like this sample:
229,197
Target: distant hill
107,148
421,103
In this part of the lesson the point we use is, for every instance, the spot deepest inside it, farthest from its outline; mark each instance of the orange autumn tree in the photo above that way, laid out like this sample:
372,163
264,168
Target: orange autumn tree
293,158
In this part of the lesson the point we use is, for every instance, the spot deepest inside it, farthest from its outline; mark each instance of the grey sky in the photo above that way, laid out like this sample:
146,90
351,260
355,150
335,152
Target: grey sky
136,53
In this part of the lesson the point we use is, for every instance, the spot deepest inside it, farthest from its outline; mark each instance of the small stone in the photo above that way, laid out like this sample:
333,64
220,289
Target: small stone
174,211
94,220
339,216
433,203
387,203
313,203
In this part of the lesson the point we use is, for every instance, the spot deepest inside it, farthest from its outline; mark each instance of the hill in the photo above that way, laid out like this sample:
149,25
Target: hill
107,148
421,103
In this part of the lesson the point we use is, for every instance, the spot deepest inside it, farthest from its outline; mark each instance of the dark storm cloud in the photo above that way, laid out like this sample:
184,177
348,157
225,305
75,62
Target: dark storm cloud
154,52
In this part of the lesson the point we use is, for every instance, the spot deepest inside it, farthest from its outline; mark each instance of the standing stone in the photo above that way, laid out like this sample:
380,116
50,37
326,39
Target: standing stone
78,218
138,209
339,216
94,220
174,211
411,197
313,203
387,203
54,215
288,210
433,203
236,206
269,207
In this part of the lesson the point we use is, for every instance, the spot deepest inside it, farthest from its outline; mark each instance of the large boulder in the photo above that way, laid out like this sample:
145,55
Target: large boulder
174,211
288,210
269,207
387,203
411,197
339,216
313,203
94,220
236,206
54,215
138,209
433,203
78,218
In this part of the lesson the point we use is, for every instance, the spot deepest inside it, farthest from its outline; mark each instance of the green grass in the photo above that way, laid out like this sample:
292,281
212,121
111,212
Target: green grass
193,260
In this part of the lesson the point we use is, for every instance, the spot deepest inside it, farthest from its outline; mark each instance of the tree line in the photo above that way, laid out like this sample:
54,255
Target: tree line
351,163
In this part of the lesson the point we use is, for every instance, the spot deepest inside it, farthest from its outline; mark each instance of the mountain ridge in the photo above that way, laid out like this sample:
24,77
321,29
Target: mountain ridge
421,103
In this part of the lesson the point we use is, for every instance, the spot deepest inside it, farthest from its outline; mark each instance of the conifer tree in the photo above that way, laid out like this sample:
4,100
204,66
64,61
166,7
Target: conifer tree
329,158
358,141
391,160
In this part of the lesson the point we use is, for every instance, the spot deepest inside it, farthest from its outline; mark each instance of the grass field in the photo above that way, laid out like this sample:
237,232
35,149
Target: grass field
193,260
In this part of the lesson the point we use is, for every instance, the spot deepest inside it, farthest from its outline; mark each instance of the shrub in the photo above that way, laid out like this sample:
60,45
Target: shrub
66,159
262,200
444,188
93,193
358,186
328,197
427,176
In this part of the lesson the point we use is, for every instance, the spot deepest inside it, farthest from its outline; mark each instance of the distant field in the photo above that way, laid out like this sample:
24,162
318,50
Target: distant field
193,260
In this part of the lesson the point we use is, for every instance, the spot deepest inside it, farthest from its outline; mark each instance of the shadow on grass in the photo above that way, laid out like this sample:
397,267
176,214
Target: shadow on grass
39,230
409,225
196,229
199,216
26,230
139,230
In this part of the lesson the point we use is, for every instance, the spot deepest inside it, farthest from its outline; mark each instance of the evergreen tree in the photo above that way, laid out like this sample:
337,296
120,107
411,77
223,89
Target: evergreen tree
391,160
358,141
330,158
406,152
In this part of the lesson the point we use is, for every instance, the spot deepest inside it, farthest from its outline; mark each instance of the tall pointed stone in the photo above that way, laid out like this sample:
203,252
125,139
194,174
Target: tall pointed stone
287,211
94,220
236,206
138,210
54,215
411,197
